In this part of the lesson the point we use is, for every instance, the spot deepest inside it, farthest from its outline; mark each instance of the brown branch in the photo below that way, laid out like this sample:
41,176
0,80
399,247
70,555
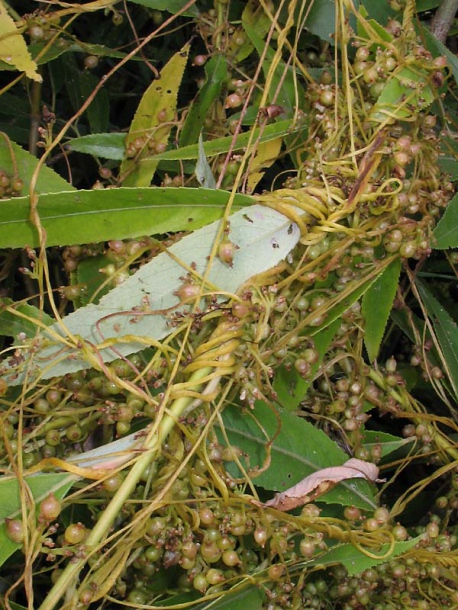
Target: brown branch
443,19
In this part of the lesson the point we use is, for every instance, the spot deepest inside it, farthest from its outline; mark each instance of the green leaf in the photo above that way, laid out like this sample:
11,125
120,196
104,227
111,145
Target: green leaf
15,606
406,92
80,217
204,172
321,19
112,145
376,307
89,276
387,442
137,312
13,156
243,598
99,110
446,331
380,11
216,73
290,387
356,561
171,6
253,16
438,48
284,90
297,451
11,325
335,307
106,145
153,119
222,145
40,486
445,235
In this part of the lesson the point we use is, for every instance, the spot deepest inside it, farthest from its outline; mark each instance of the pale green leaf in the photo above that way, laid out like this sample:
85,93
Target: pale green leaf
204,172
263,237
406,91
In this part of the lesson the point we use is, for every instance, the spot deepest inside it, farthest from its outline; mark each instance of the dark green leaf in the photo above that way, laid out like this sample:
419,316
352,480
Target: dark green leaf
94,282
99,109
299,449
11,325
445,235
356,561
376,307
290,387
171,6
285,90
321,19
246,598
98,215
446,331
438,48
215,72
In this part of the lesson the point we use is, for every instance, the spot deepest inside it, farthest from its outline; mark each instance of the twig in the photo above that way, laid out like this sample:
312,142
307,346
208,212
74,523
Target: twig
443,19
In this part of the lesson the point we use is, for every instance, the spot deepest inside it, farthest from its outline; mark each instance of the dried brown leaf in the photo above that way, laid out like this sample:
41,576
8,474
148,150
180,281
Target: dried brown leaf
320,482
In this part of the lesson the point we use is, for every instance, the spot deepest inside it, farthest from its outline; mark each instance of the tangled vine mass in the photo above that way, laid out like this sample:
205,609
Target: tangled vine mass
181,517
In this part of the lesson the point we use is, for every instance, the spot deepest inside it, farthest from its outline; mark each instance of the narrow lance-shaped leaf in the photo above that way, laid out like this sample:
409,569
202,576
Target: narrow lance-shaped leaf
376,307
215,72
204,172
445,235
99,215
446,331
153,119
140,307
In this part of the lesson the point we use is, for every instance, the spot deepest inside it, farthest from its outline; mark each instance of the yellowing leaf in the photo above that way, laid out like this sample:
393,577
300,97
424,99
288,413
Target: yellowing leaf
266,153
13,48
322,481
153,121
